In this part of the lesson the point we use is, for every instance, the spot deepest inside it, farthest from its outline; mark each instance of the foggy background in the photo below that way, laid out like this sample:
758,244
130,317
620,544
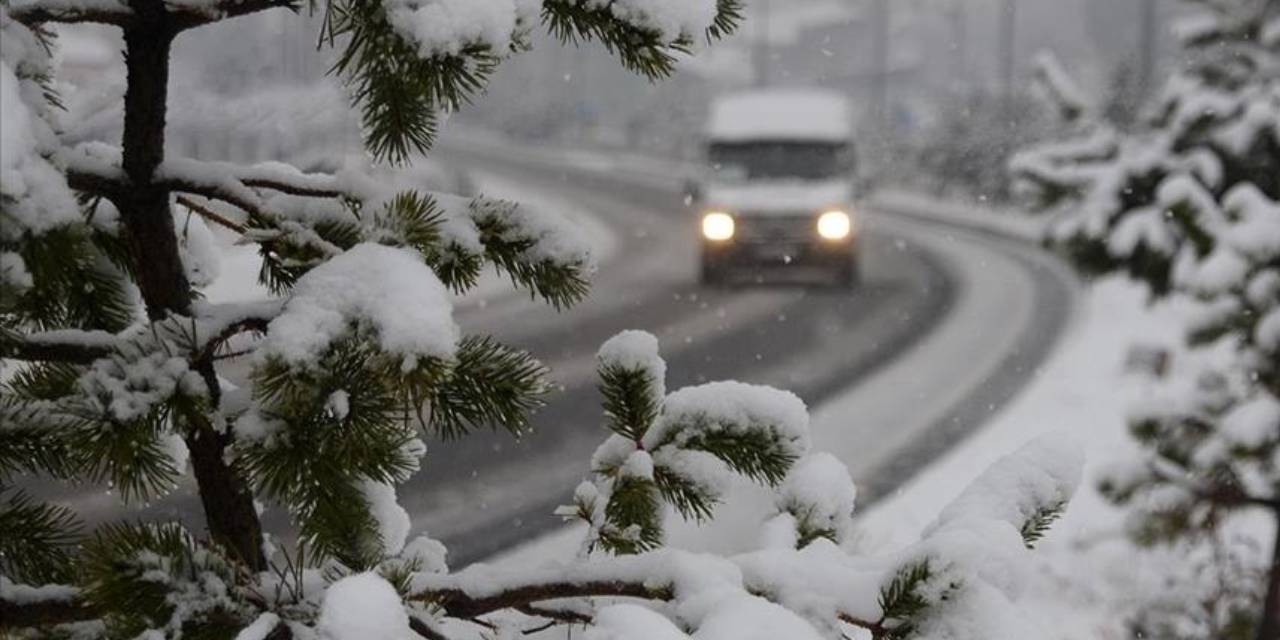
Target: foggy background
941,86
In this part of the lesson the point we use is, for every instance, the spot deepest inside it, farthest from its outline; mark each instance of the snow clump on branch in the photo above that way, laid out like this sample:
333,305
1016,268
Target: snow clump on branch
387,290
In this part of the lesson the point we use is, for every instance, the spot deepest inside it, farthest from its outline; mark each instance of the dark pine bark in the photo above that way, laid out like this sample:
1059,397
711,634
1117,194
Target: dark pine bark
149,229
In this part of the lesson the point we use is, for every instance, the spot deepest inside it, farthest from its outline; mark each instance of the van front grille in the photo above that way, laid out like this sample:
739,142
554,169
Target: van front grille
777,227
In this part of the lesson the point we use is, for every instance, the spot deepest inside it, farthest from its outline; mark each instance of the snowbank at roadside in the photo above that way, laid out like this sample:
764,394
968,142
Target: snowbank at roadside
1090,576
975,216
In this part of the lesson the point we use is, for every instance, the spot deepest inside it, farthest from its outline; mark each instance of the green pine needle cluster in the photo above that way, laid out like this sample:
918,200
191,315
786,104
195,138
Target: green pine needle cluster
757,451
76,284
907,598
626,509
1038,524
630,406
639,50
490,385
693,501
400,93
809,527
634,517
58,421
139,573
508,247
415,220
39,542
316,456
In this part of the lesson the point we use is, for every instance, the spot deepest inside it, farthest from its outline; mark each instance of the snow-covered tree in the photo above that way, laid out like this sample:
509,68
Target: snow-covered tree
966,150
1189,203
111,359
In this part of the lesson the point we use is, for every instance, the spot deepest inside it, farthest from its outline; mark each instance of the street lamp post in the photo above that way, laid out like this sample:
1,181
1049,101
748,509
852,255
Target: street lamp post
880,22
1147,53
760,50
1008,48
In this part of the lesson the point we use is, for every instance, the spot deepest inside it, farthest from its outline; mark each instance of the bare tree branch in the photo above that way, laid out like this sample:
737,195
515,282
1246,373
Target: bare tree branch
195,174
557,615
190,17
233,184
78,347
876,628
294,189
84,347
121,15
210,215
104,12
256,324
238,198
90,180
15,615
423,629
457,603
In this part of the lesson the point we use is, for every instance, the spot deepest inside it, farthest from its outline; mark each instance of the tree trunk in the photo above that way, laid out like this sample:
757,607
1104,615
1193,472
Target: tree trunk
1269,627
149,229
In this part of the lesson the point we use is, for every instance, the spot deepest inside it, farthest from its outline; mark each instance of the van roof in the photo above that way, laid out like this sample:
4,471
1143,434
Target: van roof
781,114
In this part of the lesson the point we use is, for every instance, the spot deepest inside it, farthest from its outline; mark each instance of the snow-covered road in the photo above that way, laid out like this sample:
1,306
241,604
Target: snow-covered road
946,328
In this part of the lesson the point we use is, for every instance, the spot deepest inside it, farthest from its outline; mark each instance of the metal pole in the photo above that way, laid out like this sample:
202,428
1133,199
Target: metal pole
959,46
880,62
1147,55
760,52
1008,42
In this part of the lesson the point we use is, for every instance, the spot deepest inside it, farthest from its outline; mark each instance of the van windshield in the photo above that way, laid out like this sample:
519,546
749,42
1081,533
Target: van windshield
743,161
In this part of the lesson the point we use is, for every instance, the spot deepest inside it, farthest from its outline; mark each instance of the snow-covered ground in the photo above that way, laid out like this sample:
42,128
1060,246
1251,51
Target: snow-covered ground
978,216
1090,578
1089,574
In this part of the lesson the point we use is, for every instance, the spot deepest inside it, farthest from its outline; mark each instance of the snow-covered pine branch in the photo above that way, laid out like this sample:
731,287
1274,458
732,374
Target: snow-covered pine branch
407,61
1057,88
302,219
963,574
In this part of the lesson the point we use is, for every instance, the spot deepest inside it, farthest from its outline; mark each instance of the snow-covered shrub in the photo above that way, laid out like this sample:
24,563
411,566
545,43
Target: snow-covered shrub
111,357
1189,203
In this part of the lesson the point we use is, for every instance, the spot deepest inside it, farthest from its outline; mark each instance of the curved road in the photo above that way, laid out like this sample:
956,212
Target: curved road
947,326
920,277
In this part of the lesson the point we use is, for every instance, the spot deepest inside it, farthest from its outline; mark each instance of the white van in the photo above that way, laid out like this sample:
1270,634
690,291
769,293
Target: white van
779,185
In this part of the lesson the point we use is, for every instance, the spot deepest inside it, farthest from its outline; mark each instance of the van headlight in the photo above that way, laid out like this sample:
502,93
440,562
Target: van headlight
717,225
834,225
